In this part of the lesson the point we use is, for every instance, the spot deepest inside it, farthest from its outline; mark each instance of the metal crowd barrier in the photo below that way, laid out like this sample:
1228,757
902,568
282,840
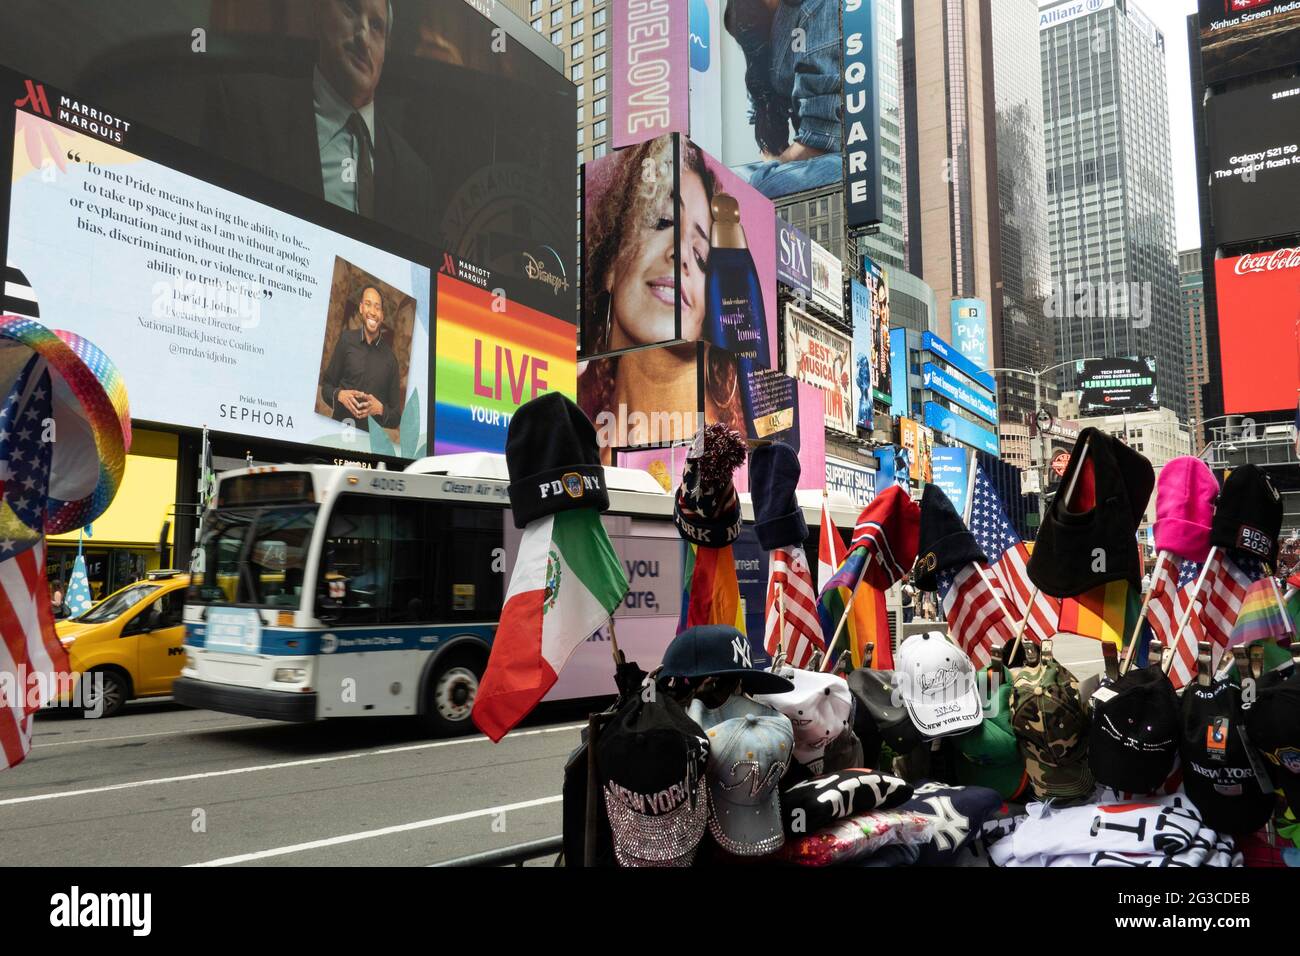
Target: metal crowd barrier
511,855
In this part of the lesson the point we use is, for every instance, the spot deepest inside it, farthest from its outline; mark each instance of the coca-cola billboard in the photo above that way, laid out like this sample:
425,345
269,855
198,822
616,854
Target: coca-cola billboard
1267,261
1259,304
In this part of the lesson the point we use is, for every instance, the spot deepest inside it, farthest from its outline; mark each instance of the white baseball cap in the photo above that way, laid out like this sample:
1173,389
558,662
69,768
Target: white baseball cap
820,708
937,683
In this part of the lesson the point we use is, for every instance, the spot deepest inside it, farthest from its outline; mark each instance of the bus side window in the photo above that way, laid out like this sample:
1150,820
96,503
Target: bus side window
356,561
471,586
416,531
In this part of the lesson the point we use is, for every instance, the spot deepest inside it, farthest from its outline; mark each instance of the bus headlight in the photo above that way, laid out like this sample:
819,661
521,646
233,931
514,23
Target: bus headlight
290,675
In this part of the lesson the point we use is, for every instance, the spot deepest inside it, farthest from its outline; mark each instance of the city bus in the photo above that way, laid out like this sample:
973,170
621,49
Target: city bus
324,591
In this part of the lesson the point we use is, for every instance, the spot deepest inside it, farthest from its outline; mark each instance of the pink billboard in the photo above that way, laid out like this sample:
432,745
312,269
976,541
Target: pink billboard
650,62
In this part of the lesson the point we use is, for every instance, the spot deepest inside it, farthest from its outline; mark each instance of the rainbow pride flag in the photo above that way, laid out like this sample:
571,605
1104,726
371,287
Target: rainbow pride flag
1108,612
1261,616
710,588
868,621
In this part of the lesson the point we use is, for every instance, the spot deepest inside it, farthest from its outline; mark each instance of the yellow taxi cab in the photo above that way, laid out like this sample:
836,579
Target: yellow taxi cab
133,641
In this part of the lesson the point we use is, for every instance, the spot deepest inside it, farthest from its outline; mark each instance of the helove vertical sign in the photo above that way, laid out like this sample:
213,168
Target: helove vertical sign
650,61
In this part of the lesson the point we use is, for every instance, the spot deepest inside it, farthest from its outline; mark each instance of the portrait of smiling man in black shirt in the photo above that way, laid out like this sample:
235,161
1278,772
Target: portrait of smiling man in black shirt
362,380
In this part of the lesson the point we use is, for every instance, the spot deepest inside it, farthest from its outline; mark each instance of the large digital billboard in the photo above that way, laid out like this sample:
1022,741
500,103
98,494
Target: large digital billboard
1241,37
677,248
651,72
877,282
1254,146
363,104
495,352
1259,299
219,310
819,355
1114,385
783,94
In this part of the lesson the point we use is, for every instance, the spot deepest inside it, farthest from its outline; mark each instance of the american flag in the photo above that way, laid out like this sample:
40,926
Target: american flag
1008,557
1170,594
1220,598
974,615
788,572
31,656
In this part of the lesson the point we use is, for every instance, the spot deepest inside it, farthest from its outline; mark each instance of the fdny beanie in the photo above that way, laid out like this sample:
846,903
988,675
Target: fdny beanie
1249,515
553,460
945,541
1110,497
1185,494
707,508
773,476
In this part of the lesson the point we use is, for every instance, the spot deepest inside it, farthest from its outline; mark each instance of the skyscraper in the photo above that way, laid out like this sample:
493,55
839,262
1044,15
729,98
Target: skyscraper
1110,206
1027,338
1191,282
952,203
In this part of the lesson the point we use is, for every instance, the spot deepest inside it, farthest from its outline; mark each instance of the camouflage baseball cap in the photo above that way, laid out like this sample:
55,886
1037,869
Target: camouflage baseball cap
1052,729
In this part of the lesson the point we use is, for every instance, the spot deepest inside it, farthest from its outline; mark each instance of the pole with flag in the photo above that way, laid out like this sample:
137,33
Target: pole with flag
950,561
64,424
881,551
567,579
791,623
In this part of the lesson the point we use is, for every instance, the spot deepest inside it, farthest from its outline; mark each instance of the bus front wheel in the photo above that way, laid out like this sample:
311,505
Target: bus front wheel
450,695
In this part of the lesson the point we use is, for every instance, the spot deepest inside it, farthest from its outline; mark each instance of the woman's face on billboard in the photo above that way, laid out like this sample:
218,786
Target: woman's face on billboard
643,285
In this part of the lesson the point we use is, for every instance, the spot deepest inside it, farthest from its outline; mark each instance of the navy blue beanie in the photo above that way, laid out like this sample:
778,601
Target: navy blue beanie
773,477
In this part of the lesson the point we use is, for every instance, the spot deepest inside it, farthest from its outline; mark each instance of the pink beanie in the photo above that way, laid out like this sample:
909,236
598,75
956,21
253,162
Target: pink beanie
1185,497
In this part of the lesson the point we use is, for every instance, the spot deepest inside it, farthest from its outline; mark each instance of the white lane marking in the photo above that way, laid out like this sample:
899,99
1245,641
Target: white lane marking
161,733
382,831
283,765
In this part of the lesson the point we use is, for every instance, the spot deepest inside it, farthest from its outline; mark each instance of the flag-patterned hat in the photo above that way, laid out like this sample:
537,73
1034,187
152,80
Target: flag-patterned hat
89,430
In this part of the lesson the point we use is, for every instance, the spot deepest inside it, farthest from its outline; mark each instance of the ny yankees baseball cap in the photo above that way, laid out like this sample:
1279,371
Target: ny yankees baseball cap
715,650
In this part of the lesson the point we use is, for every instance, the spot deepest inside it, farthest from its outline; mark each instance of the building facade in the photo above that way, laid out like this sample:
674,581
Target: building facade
1191,285
1110,210
952,204
1026,337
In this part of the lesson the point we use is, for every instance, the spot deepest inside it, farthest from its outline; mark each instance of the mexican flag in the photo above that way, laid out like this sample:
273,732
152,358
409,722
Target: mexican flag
567,581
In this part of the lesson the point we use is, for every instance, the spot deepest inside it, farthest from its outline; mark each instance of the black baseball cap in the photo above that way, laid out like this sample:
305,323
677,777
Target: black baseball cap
1134,733
1217,771
879,711
1273,726
650,760
715,650
1248,517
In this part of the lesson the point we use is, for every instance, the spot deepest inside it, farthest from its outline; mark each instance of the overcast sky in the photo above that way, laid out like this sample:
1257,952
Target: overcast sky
1171,17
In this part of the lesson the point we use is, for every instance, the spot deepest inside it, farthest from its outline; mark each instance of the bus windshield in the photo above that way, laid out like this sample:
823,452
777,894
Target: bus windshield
254,556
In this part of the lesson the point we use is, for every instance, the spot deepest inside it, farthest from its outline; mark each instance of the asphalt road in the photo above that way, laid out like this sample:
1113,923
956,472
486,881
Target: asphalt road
163,785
